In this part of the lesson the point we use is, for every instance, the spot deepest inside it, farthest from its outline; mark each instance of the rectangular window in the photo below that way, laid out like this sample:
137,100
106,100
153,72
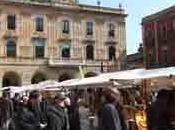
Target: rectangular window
11,22
39,24
11,49
65,27
111,32
164,57
39,51
89,28
39,48
65,50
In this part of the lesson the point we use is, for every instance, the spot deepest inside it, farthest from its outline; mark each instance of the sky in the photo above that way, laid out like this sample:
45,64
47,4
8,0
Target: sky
136,10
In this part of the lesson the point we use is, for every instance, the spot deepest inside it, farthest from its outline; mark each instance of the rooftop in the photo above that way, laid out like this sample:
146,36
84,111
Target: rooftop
158,15
77,7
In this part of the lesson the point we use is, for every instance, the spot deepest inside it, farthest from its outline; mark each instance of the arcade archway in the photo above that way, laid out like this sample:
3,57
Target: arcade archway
90,74
11,79
64,77
38,77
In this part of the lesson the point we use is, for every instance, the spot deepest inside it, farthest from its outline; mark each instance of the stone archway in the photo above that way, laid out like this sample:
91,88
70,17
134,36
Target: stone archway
90,74
38,77
11,79
64,77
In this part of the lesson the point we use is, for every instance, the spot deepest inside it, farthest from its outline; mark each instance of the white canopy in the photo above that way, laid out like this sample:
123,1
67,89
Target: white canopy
48,84
18,89
45,85
102,80
107,78
69,82
96,81
139,74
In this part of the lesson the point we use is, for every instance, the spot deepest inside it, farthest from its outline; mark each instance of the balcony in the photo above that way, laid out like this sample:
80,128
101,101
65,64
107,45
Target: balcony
21,61
64,37
89,39
70,62
10,34
111,40
41,35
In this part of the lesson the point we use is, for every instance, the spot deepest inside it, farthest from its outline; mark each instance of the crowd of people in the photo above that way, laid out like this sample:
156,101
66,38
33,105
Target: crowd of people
69,112
35,113
61,112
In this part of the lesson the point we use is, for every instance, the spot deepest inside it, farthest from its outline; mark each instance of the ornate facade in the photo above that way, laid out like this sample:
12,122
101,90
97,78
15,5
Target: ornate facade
58,39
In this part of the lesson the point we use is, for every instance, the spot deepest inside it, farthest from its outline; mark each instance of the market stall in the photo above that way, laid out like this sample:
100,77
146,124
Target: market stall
131,83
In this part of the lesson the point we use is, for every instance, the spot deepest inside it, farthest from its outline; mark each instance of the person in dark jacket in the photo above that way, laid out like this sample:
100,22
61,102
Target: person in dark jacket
6,110
16,101
73,113
158,117
56,114
29,117
109,115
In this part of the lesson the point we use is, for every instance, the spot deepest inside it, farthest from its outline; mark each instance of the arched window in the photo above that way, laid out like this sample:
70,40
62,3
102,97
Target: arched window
112,52
11,48
89,52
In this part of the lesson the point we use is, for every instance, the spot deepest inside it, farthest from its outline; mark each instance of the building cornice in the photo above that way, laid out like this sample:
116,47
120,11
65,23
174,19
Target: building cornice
158,15
69,7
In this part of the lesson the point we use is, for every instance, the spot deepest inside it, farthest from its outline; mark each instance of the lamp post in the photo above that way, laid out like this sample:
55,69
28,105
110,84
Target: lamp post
102,70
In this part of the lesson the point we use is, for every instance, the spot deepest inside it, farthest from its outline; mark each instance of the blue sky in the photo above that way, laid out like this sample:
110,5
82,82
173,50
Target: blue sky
136,10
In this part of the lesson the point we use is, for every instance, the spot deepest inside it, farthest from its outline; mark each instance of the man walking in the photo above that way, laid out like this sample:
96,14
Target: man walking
56,114
109,115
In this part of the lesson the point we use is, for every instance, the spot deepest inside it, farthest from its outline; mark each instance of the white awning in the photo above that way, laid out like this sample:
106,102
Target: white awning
139,74
96,81
108,78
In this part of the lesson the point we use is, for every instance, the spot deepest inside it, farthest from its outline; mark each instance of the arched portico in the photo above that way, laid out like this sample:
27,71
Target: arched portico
90,74
64,77
11,79
38,77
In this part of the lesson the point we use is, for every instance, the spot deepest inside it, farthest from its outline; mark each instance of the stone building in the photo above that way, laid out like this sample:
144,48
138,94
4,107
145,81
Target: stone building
58,39
158,38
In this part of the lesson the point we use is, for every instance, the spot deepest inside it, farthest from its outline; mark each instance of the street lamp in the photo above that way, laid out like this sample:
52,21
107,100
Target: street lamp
102,67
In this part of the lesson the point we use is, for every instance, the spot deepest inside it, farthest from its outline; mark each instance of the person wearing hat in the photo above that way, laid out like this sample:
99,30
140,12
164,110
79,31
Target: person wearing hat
56,114
109,118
